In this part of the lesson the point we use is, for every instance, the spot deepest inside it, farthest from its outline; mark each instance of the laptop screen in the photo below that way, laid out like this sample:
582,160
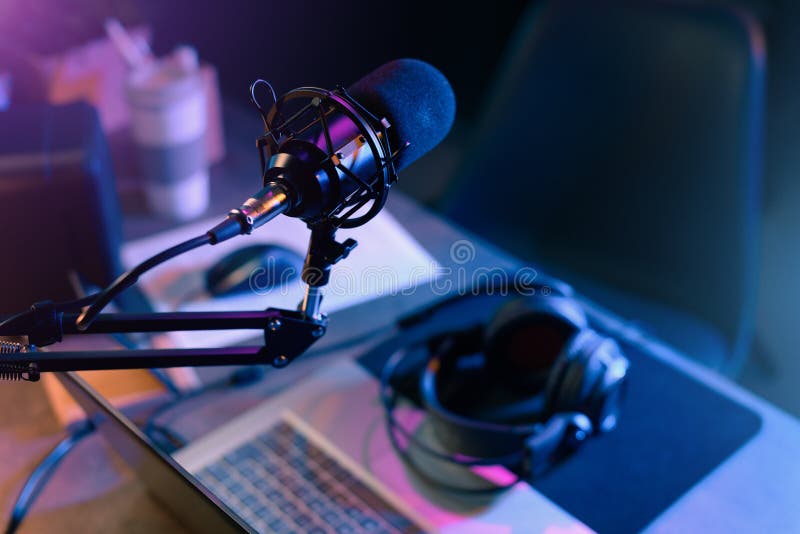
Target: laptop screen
172,485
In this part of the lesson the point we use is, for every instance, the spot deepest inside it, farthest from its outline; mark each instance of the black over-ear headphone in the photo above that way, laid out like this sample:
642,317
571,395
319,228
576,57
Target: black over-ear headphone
523,391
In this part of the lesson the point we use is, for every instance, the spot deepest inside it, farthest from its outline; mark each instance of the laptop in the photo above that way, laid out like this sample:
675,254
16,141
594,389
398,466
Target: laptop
316,458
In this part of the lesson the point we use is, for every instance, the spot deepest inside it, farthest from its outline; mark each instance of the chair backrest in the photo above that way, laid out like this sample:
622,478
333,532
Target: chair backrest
622,141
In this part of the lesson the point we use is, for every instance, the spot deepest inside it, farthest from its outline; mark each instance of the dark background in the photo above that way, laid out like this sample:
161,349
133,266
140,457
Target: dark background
289,43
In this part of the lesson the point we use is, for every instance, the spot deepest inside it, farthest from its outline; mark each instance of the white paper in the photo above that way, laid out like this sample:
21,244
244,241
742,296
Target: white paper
387,260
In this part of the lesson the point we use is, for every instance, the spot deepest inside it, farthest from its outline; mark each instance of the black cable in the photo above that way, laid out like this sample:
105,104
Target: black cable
129,278
71,305
9,320
241,377
67,305
42,474
154,430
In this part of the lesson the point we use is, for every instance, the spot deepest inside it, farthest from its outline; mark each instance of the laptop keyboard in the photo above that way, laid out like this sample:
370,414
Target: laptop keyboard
281,482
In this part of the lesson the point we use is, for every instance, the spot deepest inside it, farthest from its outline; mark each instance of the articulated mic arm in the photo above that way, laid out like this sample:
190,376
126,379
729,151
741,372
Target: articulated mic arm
287,333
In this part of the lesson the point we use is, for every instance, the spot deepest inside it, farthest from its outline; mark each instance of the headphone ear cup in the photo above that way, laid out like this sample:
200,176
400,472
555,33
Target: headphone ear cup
526,336
564,310
575,375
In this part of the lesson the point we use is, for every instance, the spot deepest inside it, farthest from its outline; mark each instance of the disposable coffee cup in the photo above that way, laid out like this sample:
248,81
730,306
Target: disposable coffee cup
168,117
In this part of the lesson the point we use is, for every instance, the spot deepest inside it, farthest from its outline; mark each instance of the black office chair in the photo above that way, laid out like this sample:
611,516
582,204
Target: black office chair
621,148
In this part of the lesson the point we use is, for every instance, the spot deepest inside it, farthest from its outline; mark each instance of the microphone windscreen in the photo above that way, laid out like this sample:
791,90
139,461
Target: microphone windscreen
416,99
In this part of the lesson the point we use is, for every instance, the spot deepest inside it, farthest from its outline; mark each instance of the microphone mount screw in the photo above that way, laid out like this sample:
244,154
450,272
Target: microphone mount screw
274,325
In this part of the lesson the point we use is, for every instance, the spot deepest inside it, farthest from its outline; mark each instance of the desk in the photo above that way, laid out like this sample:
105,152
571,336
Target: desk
754,490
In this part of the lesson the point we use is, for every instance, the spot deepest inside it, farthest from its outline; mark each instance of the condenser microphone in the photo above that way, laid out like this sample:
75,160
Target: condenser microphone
331,156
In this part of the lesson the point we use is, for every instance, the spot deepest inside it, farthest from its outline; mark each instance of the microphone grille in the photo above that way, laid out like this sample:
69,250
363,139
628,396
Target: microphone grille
417,100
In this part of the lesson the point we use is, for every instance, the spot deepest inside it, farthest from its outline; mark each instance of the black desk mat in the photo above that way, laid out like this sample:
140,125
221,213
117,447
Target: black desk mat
673,432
